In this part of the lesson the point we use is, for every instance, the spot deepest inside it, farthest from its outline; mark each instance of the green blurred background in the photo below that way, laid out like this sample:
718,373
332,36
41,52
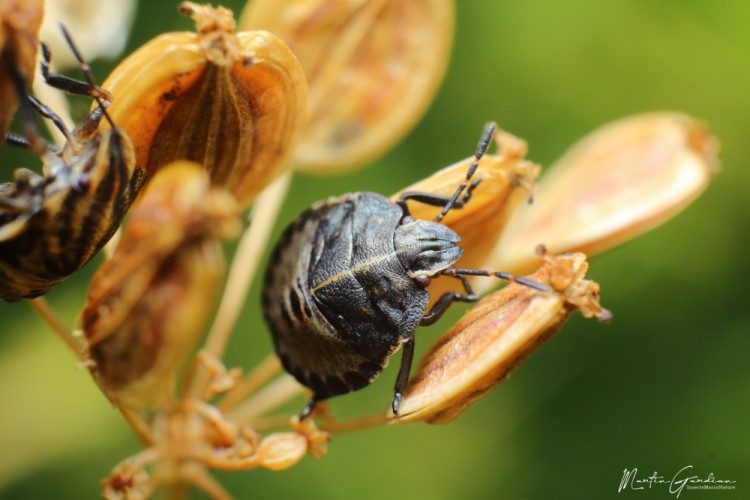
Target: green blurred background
666,384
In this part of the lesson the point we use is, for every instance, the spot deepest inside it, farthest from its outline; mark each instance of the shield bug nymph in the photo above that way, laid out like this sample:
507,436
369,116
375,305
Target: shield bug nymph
346,286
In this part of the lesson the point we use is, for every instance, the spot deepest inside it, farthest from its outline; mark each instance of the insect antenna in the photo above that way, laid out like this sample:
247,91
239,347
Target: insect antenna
456,272
465,185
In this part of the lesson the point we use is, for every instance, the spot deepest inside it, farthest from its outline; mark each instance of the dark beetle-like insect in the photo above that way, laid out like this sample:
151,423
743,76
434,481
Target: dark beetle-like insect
346,286
51,225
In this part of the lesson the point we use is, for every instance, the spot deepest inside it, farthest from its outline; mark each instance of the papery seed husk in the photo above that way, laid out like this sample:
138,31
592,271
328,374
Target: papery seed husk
495,337
237,111
281,451
616,183
373,68
20,21
150,302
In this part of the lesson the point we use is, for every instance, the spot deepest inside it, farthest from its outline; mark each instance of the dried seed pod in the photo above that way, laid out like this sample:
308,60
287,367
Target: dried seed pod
618,182
495,337
507,179
282,450
372,67
232,102
148,304
19,30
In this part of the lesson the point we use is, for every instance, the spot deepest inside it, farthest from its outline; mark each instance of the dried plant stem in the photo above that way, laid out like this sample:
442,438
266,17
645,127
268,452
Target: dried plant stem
138,425
356,424
273,395
254,380
140,428
53,320
240,277
201,479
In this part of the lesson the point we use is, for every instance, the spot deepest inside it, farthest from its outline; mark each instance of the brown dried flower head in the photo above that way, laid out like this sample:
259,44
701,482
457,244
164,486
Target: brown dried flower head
233,102
372,68
149,303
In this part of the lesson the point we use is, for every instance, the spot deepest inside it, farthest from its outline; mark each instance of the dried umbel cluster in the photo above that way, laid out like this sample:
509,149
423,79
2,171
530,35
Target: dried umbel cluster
215,119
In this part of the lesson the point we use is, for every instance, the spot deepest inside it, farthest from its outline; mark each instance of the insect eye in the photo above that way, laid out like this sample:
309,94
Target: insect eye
423,280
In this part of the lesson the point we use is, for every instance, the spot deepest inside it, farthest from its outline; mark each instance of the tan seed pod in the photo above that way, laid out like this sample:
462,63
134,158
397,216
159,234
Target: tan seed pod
20,21
495,337
149,303
282,450
618,182
233,102
373,67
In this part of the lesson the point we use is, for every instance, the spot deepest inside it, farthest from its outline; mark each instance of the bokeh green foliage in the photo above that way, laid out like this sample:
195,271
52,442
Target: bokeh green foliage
665,385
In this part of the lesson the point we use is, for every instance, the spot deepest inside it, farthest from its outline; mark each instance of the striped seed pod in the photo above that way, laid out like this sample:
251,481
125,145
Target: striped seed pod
232,102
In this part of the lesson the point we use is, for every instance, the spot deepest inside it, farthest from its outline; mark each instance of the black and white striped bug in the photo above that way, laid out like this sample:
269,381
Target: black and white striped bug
346,285
53,224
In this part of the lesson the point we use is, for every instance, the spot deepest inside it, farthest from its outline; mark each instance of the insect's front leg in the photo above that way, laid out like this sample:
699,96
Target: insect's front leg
448,298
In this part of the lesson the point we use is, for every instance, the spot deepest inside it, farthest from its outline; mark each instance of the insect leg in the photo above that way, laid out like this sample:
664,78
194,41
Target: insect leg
307,411
407,355
54,118
448,298
26,111
505,276
67,84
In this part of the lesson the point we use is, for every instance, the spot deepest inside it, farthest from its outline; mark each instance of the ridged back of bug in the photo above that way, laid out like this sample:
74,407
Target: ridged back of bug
425,248
336,297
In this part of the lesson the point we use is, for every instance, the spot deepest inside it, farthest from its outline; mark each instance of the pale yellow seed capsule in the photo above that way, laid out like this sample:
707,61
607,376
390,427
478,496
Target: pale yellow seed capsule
618,182
281,451
495,337
233,102
149,303
373,67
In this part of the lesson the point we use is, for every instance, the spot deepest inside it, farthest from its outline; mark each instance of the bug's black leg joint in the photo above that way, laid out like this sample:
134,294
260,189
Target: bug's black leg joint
307,410
407,356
